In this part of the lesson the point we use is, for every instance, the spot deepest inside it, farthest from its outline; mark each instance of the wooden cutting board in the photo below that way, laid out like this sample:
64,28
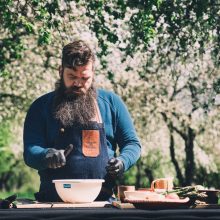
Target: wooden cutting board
120,205
207,206
62,205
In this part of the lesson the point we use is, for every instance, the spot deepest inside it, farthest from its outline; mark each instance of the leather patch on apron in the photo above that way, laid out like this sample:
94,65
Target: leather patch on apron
90,143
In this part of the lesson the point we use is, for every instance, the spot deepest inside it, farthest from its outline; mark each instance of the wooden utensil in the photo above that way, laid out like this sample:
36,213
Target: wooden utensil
68,150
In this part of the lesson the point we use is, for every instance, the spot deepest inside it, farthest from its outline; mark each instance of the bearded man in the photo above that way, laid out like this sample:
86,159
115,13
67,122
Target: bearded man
74,131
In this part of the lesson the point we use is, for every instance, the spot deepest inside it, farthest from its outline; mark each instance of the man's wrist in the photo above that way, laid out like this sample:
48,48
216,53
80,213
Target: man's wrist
123,162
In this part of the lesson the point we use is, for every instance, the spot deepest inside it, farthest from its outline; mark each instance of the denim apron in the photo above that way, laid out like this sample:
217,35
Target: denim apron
82,163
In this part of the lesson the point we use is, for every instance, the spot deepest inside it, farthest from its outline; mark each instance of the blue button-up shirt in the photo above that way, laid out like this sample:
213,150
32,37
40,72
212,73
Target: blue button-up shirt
40,130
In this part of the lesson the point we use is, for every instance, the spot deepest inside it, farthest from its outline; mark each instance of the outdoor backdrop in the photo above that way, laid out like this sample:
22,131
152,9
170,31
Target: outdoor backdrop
161,57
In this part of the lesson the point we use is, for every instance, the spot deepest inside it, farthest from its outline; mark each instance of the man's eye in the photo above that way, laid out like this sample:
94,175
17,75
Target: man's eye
85,79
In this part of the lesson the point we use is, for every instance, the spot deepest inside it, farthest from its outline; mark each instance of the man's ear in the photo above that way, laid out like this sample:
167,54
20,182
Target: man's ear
60,71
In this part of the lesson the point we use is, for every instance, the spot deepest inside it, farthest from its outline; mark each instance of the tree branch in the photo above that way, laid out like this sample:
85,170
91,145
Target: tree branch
170,124
11,96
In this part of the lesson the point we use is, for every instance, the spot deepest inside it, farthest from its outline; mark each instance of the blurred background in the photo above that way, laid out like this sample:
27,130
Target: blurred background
161,57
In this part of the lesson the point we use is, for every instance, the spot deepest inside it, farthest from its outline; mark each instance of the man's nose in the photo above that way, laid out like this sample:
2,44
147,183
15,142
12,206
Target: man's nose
77,83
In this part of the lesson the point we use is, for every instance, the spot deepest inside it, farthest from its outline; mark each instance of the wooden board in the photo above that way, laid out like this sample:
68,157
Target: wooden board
62,205
33,206
207,206
120,205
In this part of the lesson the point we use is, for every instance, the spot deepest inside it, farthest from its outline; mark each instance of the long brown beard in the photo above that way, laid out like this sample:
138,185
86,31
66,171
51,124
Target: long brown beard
71,108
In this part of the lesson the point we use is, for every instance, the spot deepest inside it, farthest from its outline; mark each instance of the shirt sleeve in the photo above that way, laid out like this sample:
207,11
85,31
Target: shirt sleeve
34,137
126,136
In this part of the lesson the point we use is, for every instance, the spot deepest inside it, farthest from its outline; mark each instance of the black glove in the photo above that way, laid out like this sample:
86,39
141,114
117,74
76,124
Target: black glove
115,167
55,158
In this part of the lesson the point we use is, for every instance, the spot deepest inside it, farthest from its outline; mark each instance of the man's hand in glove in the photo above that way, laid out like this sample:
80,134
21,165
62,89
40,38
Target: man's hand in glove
115,167
55,158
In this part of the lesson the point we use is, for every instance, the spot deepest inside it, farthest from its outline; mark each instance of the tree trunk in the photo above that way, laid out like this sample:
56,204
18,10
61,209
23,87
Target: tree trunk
138,175
188,135
5,183
174,161
1,183
149,174
190,161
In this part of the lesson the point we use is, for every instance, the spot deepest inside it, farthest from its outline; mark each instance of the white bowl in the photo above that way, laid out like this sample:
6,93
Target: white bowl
78,190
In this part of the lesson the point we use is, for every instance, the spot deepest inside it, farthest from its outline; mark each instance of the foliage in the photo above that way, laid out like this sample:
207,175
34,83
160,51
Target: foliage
161,57
186,22
13,172
136,15
212,179
19,19
6,161
178,74
7,164
25,194
150,166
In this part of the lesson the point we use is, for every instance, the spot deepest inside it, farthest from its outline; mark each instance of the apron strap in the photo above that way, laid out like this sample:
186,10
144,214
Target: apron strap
98,112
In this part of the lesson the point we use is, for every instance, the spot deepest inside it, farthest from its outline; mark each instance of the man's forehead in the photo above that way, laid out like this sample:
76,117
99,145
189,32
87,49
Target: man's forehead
84,70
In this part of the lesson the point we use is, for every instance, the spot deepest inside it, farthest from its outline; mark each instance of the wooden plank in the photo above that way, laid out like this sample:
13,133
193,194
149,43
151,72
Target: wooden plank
62,205
33,206
80,205
206,206
120,205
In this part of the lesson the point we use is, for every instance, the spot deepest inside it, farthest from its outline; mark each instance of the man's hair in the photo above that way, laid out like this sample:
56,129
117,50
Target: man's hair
77,53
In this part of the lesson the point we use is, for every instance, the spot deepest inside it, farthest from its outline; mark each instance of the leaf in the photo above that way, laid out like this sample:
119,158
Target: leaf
44,37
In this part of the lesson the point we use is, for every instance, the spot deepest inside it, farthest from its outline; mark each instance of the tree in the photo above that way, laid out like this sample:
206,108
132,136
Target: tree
185,31
162,57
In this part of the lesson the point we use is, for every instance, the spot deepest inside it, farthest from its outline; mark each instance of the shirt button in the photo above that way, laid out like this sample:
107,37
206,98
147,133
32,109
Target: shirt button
62,130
